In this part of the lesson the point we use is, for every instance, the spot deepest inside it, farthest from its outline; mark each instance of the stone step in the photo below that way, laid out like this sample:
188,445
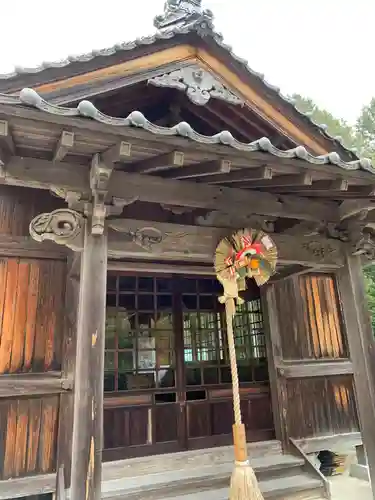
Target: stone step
170,483
186,460
301,486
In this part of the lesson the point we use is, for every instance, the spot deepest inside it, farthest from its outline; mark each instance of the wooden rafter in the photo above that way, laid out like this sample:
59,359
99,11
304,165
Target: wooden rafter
321,186
240,175
157,163
210,168
64,145
45,174
304,179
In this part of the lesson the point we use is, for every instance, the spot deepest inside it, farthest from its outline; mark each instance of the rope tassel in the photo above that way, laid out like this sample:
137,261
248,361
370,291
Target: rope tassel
243,484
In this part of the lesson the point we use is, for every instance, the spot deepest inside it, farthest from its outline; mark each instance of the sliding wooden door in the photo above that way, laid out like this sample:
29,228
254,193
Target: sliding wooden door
167,374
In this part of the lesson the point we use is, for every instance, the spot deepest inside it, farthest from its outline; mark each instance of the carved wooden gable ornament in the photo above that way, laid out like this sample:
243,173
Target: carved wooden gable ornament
198,84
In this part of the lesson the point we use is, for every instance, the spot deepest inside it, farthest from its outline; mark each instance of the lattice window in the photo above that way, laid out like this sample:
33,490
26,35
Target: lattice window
205,343
139,334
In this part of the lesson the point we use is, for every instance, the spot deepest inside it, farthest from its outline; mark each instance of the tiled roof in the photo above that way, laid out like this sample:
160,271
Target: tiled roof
86,109
202,25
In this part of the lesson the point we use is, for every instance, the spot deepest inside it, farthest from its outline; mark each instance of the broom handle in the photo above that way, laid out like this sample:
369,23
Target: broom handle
230,310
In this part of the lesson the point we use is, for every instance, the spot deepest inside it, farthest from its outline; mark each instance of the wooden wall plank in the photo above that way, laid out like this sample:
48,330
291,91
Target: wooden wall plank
32,315
48,433
32,306
11,431
19,466
3,285
28,437
8,316
18,345
33,434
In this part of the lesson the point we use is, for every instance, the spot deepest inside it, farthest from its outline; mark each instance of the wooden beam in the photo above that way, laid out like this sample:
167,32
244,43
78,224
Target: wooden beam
274,349
240,175
130,238
289,271
117,153
283,180
19,385
88,396
27,486
157,163
45,174
349,208
340,185
7,148
362,350
315,369
332,442
25,246
162,268
362,190
198,170
64,437
65,144
92,131
6,139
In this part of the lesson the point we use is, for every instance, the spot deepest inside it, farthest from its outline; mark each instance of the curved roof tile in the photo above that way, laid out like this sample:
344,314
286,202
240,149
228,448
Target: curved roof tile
87,109
203,28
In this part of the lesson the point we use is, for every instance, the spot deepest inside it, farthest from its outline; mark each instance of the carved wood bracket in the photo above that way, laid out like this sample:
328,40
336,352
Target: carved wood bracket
96,202
199,85
62,226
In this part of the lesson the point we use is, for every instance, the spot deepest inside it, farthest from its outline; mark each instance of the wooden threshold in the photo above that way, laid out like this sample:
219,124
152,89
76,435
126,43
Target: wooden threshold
331,442
26,486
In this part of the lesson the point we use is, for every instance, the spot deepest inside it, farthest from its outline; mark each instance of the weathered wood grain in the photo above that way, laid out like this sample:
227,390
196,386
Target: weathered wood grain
28,445
88,398
128,238
362,348
24,487
43,174
31,308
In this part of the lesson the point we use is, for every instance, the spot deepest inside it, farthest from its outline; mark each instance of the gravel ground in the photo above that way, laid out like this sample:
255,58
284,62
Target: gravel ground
348,488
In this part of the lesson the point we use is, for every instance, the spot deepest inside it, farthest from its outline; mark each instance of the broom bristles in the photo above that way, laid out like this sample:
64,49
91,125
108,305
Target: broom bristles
244,484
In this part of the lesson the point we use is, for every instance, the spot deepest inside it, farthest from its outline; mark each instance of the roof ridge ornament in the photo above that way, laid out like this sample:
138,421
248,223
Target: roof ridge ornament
184,14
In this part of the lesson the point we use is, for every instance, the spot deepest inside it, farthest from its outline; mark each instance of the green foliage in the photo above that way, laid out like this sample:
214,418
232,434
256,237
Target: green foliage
365,129
361,138
336,127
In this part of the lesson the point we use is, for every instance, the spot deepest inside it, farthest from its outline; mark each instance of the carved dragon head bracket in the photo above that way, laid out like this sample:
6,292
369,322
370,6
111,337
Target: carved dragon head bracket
65,226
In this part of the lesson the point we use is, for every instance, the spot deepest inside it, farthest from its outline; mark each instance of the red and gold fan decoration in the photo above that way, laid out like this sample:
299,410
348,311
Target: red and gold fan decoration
246,254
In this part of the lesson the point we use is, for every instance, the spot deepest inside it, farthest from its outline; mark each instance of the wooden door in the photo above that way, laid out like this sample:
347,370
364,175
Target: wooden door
310,371
206,373
142,408
167,373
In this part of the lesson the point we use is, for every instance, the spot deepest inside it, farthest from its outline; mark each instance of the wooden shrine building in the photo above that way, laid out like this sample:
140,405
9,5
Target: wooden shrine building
120,172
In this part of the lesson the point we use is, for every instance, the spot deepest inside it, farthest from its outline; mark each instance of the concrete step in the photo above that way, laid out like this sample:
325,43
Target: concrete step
184,460
171,484
215,465
299,487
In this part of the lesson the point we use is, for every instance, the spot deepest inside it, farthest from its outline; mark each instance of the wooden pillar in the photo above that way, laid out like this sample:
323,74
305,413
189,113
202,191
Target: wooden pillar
361,347
89,376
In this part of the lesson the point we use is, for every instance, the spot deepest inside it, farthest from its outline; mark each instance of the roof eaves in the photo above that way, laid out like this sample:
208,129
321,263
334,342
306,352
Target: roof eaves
203,29
86,109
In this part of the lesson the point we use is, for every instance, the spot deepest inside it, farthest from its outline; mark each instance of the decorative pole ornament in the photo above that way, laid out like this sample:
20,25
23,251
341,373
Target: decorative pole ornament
182,13
246,254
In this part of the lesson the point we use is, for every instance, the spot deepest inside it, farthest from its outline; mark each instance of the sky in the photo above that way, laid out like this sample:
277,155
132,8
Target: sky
318,48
